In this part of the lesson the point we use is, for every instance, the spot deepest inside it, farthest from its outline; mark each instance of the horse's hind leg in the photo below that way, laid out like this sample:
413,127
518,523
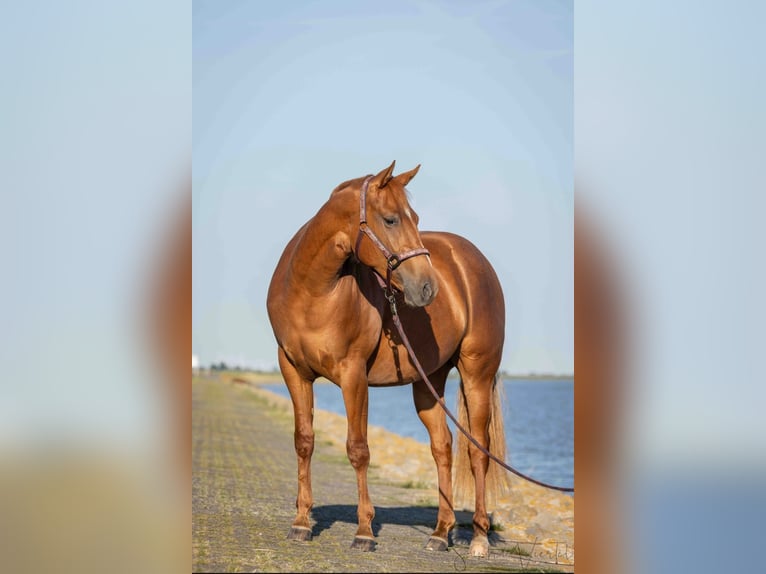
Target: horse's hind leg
478,379
302,394
433,417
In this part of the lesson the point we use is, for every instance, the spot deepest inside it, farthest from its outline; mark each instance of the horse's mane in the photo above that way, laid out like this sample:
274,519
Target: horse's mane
345,184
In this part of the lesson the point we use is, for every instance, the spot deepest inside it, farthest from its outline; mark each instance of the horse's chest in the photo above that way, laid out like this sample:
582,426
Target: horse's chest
321,337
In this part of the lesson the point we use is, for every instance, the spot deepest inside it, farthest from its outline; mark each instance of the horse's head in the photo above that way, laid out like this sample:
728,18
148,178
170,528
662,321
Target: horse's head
391,244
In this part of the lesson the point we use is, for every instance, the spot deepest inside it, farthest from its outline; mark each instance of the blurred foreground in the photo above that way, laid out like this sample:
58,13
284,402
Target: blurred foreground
95,457
670,437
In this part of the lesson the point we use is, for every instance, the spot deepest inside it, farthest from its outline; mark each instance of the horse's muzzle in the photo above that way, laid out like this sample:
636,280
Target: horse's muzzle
421,294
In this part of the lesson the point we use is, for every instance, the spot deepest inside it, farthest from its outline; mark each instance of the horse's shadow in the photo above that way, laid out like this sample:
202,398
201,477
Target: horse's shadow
419,518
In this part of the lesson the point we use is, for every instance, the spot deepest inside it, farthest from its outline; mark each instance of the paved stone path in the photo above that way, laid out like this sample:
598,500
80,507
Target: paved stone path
243,502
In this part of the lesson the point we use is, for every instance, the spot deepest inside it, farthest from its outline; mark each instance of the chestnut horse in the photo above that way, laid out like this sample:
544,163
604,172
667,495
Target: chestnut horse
331,318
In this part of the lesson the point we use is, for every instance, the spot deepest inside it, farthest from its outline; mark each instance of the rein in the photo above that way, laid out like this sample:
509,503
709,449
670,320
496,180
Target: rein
393,261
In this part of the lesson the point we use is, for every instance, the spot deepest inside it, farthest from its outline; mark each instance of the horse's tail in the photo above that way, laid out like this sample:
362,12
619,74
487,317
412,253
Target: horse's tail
498,480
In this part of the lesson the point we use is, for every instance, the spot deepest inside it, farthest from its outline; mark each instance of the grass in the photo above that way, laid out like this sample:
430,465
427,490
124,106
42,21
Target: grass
492,527
521,570
415,484
515,550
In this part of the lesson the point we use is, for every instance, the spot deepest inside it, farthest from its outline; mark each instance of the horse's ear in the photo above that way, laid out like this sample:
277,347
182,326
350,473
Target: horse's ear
406,177
384,176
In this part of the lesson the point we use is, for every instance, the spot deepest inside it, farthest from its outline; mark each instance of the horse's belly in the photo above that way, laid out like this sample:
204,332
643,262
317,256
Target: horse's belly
385,372
433,341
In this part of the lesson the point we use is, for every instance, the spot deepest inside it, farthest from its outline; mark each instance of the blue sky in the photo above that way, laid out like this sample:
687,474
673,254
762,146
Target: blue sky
290,99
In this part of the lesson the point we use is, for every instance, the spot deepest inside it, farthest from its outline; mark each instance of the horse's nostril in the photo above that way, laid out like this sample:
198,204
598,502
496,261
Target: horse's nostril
427,291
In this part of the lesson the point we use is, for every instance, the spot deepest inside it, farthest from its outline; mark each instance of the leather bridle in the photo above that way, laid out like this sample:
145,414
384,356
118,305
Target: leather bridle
393,260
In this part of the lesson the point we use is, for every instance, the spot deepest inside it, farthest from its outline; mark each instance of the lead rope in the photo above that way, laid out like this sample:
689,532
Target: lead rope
395,315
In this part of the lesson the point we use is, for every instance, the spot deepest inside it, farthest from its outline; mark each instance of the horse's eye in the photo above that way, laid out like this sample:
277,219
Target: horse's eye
390,221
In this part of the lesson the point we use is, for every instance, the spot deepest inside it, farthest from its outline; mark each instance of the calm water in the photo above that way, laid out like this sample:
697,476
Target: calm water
539,421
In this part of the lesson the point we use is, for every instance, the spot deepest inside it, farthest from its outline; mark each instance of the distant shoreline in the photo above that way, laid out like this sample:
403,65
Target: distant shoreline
536,377
275,376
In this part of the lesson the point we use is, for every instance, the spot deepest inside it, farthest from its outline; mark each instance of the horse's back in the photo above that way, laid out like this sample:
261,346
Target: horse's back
462,263
448,247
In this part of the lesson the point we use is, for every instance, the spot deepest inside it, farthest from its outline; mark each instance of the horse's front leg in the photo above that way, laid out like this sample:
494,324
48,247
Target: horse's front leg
302,394
355,397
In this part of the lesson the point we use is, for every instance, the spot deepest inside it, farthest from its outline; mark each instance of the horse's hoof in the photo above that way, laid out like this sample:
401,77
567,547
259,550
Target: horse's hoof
479,547
364,543
436,543
299,533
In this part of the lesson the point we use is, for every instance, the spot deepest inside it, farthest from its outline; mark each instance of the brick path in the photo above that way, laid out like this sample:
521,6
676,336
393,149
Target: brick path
243,501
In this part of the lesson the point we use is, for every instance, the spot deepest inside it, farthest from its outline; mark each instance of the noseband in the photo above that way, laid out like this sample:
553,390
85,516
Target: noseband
393,260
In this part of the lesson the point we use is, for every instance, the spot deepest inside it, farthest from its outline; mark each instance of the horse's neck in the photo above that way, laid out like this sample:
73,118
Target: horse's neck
323,248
